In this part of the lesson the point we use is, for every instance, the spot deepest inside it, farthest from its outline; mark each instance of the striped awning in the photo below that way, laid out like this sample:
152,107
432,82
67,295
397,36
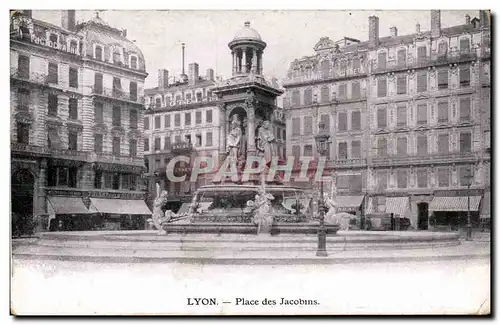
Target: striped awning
485,207
67,205
454,203
400,206
116,206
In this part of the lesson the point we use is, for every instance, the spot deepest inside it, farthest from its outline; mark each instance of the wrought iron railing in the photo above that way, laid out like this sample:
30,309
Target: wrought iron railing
116,93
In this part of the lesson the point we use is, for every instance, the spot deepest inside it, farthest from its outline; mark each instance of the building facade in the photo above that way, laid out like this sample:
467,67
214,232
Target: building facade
76,127
409,117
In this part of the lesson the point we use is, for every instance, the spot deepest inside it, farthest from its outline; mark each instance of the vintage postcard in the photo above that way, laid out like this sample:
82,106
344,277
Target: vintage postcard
250,162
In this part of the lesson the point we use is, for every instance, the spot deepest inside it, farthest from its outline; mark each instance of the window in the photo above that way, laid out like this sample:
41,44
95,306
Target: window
325,94
343,66
308,150
421,53
209,116
53,73
325,118
117,57
157,122
382,60
343,91
443,79
146,123
167,121
177,139
401,115
98,83
422,82
187,118
53,141
73,108
382,147
443,175
209,140
342,121
464,45
402,177
356,63
325,69
133,91
342,182
296,153
188,138
198,140
443,143
284,135
382,87
116,146
356,120
177,99
443,112
382,179
157,143
421,178
146,144
356,149
342,150
402,147
422,147
98,179
464,76
402,57
308,125
158,102
23,133
295,98
465,142
73,77
73,47
296,126
116,181
198,117
308,96
422,114
442,49
167,144
117,116
23,66
355,90
133,62
23,99
465,175
401,85
98,140
98,112
53,102
72,140
382,117
465,109
133,119
98,53
117,86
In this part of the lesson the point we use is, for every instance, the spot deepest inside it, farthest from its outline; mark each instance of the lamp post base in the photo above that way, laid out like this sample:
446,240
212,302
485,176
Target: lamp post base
468,236
321,253
321,242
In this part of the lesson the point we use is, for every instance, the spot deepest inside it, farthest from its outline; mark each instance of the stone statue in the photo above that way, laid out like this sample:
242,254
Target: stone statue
331,205
158,218
266,141
234,138
262,215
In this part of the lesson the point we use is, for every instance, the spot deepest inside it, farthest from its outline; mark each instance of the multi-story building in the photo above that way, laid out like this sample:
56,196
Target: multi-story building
76,128
417,127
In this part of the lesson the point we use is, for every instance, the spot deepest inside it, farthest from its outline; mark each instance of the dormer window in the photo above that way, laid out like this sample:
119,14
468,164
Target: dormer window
133,62
53,38
73,47
98,53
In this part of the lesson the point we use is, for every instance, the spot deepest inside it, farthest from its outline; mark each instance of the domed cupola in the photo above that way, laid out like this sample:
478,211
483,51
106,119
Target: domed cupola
247,48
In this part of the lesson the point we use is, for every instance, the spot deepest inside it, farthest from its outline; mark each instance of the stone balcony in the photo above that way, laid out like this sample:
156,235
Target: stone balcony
117,95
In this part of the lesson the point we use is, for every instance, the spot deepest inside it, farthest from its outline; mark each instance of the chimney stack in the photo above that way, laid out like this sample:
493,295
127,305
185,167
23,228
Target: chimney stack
210,74
193,73
417,28
373,31
484,18
162,79
394,31
68,21
435,23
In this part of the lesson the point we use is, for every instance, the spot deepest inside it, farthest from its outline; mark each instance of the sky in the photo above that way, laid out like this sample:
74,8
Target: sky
289,34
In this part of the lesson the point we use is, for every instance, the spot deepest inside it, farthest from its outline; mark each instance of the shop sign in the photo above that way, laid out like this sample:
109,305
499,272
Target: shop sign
55,45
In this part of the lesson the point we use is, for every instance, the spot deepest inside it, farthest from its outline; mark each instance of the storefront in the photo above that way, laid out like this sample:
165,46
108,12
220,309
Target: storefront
388,213
119,214
485,216
352,204
69,213
450,212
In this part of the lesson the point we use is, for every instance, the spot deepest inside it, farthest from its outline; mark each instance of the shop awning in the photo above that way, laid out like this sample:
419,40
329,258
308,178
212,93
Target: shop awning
348,203
485,207
68,205
455,203
116,206
399,205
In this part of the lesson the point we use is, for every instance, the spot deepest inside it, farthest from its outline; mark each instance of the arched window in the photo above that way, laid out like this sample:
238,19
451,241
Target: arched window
442,48
117,57
325,69
73,47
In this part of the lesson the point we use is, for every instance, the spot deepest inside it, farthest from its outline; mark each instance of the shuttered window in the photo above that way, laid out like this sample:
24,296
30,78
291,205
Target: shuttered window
421,82
382,117
465,109
402,177
73,77
356,149
401,85
343,121
295,98
402,146
98,112
443,112
465,142
355,90
325,94
401,115
422,114
53,73
443,79
422,146
308,96
443,143
356,120
308,125
296,126
382,60
382,87
342,150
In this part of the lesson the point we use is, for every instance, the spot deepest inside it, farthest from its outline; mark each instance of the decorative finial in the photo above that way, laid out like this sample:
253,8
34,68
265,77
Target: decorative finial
247,24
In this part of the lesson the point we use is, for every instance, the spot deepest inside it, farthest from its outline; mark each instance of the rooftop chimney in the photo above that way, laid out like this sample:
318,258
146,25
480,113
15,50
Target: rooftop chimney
394,31
193,73
68,21
373,31
183,74
435,23
484,18
210,74
162,79
417,28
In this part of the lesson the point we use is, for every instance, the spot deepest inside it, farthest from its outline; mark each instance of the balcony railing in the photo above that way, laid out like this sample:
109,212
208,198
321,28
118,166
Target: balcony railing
118,94
185,103
352,162
437,158
36,78
52,152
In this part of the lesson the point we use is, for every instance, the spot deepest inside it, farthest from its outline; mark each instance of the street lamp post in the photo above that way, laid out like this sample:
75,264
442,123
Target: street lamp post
469,223
321,143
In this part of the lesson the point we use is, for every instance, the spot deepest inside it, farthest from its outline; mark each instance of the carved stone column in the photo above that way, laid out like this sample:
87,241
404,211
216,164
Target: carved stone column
254,61
244,60
260,62
251,130
222,133
235,60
